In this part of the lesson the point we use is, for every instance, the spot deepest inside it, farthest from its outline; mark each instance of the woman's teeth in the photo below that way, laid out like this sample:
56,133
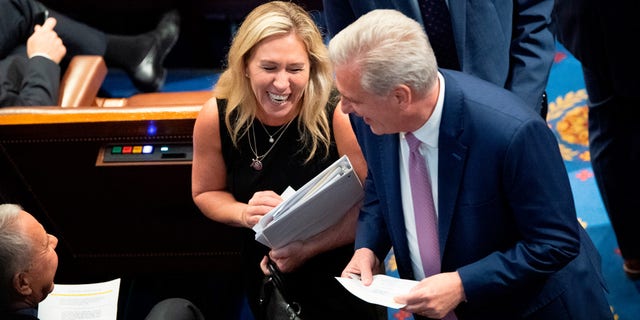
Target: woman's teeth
278,98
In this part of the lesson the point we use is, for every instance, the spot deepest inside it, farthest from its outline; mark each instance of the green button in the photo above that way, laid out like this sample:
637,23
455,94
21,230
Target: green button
116,149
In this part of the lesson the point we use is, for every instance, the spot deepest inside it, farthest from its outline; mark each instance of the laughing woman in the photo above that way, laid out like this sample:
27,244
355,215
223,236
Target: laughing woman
272,124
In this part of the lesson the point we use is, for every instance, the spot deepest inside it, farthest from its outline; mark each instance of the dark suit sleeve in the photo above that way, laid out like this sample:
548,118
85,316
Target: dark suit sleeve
532,50
371,231
338,15
341,13
29,82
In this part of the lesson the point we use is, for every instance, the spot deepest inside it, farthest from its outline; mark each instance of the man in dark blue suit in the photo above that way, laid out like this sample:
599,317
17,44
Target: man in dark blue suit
506,42
510,245
596,32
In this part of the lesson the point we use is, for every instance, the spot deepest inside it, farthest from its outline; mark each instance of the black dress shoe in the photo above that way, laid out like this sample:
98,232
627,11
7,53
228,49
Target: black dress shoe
149,75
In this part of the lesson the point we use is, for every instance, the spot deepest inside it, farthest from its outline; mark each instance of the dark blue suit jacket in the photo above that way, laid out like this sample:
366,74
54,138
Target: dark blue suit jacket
505,42
506,214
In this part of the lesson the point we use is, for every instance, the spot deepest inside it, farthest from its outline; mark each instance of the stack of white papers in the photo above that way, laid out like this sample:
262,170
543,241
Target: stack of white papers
316,206
94,301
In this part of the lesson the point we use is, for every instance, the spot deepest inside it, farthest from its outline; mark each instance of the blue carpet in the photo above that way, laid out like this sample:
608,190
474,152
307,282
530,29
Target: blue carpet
567,117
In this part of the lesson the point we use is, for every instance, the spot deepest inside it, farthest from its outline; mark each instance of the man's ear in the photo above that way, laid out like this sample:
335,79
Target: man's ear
402,95
21,283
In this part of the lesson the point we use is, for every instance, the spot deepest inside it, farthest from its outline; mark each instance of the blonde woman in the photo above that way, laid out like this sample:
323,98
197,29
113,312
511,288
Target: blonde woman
272,124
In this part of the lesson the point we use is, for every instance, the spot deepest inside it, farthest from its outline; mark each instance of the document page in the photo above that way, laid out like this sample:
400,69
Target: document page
95,301
381,291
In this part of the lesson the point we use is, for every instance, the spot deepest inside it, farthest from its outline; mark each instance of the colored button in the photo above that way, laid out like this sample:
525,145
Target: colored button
137,149
116,149
127,149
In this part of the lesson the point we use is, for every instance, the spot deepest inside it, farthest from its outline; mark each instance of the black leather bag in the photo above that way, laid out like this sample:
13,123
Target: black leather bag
275,304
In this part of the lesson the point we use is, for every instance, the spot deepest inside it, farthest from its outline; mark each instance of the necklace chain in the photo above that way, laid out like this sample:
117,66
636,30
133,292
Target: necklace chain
271,140
256,162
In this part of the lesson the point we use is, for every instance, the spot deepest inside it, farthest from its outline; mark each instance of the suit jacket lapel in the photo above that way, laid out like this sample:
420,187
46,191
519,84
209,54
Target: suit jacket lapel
451,156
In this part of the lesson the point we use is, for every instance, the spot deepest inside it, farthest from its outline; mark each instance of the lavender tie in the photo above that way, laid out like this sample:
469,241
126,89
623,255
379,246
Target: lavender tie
425,212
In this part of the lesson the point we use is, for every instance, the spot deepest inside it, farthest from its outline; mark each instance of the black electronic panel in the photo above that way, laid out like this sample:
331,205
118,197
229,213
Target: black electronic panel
145,152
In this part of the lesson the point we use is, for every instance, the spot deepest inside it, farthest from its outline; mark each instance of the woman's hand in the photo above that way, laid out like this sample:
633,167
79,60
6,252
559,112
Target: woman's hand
261,203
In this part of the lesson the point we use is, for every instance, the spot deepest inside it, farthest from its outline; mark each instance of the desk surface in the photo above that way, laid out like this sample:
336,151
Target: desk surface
51,115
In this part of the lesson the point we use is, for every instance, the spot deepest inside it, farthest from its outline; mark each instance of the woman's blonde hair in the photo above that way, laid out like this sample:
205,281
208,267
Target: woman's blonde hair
278,18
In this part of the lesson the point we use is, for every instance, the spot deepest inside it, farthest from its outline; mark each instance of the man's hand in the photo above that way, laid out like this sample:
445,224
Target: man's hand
434,296
290,257
45,41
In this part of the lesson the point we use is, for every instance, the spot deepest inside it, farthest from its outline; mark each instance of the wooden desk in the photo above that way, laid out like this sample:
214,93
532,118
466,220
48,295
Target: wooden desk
118,220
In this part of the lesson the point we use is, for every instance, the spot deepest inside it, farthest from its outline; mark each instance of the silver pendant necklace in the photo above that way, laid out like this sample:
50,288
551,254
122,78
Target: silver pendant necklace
271,140
256,162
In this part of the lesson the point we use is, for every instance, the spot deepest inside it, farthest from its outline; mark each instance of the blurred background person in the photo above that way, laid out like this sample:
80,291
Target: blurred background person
140,56
509,43
35,80
595,32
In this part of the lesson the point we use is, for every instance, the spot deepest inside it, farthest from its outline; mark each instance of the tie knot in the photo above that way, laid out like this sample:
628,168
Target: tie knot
414,143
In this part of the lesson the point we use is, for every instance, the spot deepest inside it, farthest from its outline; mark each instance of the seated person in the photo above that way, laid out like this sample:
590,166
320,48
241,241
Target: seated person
29,74
28,264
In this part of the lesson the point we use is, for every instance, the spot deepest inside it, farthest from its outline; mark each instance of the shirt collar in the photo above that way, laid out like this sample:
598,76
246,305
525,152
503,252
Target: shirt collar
429,132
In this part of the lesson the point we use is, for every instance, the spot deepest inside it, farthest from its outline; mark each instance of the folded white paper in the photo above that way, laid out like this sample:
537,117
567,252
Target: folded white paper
316,206
381,291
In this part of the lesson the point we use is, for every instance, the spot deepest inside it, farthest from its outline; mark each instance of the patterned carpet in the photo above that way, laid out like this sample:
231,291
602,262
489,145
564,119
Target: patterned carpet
567,118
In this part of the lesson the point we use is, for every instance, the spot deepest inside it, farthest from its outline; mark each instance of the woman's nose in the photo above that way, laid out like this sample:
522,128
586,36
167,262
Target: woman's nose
281,80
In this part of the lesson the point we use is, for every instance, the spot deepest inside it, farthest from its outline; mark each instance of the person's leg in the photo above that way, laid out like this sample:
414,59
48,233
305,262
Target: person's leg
175,309
17,20
614,144
79,38
141,56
